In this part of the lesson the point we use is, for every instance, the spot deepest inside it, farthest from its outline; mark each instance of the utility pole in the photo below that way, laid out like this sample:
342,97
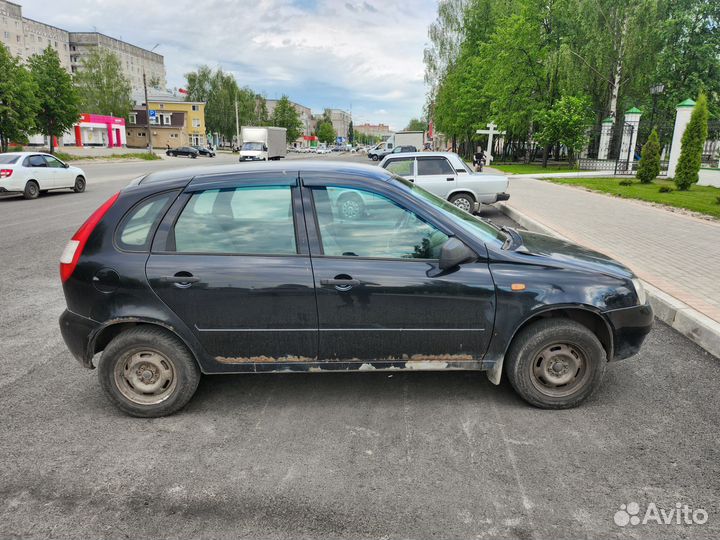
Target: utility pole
237,125
147,114
147,105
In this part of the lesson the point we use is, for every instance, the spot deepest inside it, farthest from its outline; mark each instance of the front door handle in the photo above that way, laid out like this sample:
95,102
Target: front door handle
450,179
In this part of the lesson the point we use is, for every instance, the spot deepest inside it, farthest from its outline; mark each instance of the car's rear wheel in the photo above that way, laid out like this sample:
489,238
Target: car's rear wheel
555,363
463,201
32,190
146,372
79,186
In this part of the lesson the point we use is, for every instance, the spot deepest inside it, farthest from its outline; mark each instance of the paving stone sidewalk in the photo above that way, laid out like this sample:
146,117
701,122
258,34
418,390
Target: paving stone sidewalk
678,254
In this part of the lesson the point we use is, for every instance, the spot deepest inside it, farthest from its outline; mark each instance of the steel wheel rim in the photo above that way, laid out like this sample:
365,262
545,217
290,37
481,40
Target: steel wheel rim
33,190
559,370
145,377
79,184
350,209
463,204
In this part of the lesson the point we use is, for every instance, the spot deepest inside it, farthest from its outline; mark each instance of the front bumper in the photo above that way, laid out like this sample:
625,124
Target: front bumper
630,328
76,331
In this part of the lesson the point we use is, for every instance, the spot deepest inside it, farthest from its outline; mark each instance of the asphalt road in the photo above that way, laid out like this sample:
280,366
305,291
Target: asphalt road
371,455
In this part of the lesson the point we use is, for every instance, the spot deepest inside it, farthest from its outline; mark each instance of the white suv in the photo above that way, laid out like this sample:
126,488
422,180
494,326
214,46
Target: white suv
446,175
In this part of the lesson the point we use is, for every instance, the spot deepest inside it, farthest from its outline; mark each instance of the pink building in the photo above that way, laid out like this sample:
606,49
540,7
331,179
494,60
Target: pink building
98,130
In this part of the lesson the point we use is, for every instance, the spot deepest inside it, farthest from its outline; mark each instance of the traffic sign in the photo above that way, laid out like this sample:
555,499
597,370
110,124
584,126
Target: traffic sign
152,114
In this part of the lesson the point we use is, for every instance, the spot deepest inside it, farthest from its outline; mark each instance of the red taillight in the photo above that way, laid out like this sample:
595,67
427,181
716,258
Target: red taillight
74,248
6,173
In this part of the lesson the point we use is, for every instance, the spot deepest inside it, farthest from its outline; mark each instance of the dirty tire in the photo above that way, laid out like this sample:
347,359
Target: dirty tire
79,186
535,352
463,201
32,190
374,157
131,346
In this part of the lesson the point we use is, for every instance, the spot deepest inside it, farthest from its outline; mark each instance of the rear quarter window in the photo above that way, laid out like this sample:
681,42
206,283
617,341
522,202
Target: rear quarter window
135,230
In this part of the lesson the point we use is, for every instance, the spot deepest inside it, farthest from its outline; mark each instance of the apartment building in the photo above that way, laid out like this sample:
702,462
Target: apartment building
374,130
24,37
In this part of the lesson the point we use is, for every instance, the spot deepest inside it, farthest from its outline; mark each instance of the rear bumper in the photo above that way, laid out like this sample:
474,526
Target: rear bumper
502,197
630,328
76,331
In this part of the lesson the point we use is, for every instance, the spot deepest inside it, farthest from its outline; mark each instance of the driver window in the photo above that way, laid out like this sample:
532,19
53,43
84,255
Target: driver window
359,223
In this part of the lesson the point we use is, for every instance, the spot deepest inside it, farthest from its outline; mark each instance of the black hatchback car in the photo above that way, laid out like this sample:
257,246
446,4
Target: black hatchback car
236,270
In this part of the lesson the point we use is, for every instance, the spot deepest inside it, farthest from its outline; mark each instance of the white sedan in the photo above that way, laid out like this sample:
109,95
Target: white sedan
33,173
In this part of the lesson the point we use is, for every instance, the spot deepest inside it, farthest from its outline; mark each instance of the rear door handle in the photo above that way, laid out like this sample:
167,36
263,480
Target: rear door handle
180,279
450,179
340,282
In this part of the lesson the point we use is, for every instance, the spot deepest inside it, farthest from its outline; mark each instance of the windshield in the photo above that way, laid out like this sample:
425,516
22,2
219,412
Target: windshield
470,223
8,159
253,146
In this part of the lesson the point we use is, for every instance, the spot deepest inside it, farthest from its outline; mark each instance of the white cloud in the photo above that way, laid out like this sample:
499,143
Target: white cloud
323,53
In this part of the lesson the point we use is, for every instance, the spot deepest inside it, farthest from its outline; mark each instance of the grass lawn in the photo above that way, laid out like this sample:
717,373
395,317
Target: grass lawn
130,155
703,199
531,168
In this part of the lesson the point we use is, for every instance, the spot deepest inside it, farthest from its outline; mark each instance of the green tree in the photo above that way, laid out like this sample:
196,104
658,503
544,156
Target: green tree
286,115
566,123
18,104
58,102
692,144
220,92
351,133
649,166
326,133
102,87
416,124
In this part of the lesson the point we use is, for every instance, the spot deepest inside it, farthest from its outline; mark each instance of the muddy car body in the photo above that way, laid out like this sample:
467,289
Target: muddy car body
236,270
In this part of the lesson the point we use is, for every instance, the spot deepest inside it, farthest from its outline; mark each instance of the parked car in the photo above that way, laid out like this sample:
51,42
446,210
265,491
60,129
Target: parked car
204,151
403,149
322,150
188,151
162,283
33,173
446,175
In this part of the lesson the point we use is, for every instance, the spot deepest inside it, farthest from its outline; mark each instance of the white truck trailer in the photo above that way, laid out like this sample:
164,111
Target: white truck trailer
263,143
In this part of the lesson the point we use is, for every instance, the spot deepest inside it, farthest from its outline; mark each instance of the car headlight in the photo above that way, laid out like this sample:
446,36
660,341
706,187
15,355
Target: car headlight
640,291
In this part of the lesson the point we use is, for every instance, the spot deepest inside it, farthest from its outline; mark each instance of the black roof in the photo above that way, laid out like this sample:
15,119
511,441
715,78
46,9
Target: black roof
298,166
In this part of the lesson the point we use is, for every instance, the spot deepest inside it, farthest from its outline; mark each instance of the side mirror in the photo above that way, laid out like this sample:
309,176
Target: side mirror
66,165
453,253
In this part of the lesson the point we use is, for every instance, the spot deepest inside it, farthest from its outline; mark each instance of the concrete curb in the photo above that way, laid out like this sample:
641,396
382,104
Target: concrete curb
691,323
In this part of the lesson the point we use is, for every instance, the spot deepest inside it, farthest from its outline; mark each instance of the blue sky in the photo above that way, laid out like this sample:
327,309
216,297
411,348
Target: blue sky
364,56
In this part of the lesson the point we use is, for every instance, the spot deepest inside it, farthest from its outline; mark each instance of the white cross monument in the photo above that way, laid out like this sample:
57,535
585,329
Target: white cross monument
490,131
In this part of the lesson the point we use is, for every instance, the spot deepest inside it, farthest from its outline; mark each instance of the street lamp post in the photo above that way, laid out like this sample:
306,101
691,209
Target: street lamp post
147,105
655,90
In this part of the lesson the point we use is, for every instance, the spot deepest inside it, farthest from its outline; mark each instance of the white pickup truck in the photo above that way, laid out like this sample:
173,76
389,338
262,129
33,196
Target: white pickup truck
446,175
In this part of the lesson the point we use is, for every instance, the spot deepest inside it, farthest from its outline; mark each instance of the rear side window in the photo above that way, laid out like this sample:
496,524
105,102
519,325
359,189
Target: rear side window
253,220
434,165
401,167
135,230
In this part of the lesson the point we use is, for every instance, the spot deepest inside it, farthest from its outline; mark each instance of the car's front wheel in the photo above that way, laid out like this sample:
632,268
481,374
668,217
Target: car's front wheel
147,372
555,363
79,186
374,157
